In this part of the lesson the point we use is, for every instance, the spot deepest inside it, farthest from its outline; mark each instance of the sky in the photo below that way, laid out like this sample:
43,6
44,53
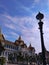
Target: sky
18,18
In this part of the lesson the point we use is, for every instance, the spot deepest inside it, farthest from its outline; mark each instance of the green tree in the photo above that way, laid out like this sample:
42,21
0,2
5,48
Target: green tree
20,57
10,58
3,60
39,58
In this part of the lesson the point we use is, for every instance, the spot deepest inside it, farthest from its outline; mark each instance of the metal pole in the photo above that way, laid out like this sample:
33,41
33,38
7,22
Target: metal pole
40,17
42,42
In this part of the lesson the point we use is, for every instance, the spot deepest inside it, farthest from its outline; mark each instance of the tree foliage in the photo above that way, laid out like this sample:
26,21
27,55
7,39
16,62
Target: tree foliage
2,60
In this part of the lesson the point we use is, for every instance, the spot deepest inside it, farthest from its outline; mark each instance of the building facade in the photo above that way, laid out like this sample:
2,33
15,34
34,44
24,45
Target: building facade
13,49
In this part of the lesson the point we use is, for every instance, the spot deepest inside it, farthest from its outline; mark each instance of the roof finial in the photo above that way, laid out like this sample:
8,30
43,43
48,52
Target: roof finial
0,30
30,45
19,37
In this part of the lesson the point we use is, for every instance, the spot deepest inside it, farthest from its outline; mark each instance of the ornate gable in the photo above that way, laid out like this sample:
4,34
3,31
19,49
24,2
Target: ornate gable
1,36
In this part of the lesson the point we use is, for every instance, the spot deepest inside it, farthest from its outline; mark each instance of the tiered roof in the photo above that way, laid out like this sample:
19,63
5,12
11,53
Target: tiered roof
20,42
1,35
31,48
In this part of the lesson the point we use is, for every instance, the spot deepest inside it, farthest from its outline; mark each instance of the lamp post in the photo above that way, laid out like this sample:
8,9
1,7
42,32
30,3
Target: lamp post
39,17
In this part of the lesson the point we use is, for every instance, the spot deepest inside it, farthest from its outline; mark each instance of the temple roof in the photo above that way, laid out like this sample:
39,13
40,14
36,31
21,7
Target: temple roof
19,41
19,38
31,48
1,35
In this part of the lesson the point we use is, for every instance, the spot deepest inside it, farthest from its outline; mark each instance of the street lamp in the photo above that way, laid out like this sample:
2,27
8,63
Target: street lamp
39,17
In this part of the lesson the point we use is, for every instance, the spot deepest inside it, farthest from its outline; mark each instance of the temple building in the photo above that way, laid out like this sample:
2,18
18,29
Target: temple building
12,49
31,50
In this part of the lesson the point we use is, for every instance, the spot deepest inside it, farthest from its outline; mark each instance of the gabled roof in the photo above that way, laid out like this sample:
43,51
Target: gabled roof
19,41
31,48
2,37
9,43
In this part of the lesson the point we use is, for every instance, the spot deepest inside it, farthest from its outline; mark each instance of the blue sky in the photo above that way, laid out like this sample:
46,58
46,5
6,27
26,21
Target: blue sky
18,17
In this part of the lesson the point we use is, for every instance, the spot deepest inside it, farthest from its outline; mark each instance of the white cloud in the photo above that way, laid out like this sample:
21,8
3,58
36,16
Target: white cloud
48,3
27,8
36,1
11,26
20,24
29,34
14,34
27,26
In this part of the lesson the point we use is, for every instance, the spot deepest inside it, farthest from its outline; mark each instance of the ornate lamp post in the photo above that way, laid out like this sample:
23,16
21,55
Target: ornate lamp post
39,17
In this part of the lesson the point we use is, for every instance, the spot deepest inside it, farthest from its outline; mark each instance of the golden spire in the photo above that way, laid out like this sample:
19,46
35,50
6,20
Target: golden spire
0,30
30,45
19,38
1,35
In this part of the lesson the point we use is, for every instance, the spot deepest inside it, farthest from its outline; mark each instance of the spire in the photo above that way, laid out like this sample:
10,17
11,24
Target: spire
31,48
1,35
0,30
19,38
30,45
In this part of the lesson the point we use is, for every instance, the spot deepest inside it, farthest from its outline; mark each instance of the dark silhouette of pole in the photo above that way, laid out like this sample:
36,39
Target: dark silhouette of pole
40,17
